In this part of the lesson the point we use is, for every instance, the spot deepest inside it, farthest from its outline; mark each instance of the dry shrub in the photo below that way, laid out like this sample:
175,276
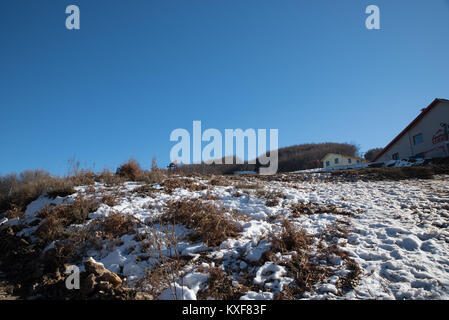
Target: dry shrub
17,192
110,200
145,191
115,225
272,202
73,213
349,281
219,181
210,224
109,178
248,185
379,174
315,208
272,195
209,196
130,170
236,194
171,184
51,229
300,267
61,190
219,286
291,239
153,176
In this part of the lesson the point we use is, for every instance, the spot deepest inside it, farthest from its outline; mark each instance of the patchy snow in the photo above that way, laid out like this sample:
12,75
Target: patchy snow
397,234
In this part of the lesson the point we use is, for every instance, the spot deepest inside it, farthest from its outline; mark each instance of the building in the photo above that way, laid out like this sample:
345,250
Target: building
333,160
425,137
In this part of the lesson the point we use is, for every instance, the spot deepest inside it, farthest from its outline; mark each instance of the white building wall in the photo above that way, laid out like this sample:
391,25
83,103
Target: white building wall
433,144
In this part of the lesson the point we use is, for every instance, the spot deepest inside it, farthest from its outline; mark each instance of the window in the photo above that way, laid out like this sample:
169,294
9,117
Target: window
349,160
336,160
358,161
396,156
418,139
328,163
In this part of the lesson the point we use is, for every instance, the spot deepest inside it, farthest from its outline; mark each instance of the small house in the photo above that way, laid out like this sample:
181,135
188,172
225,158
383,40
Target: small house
332,160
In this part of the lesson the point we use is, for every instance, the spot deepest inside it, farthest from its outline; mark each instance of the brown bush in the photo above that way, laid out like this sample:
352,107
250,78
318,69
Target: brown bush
173,183
291,239
315,208
300,267
130,170
74,213
109,178
219,286
110,200
153,176
62,189
51,229
115,225
210,224
379,174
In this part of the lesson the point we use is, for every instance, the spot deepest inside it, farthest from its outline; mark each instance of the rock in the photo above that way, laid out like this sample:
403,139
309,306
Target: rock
111,277
104,286
94,267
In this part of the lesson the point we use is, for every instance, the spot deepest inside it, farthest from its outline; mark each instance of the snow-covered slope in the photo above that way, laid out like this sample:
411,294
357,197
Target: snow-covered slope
395,231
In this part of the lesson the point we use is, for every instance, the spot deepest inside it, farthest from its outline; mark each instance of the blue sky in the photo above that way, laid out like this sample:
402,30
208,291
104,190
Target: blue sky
139,69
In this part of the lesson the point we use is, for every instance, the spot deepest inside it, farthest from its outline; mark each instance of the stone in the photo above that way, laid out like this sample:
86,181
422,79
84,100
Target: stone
94,267
112,278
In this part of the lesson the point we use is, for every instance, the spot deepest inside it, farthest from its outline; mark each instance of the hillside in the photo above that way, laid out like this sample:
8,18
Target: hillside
290,236
293,158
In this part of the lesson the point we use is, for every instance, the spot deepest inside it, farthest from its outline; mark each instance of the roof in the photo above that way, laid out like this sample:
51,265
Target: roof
411,125
341,155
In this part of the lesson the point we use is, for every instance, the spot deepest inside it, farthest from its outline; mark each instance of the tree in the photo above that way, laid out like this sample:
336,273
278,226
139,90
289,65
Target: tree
371,154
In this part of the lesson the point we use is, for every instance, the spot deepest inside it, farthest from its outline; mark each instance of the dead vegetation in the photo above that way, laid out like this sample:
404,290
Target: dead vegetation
210,224
219,286
172,184
301,267
301,208
115,225
379,174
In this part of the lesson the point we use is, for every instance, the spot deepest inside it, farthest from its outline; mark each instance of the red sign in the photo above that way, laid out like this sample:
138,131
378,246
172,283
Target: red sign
439,137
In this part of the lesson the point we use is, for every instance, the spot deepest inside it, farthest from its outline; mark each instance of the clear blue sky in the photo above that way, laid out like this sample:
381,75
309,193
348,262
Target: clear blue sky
139,69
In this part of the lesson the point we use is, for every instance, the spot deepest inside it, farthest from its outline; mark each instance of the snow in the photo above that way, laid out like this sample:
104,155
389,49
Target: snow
397,234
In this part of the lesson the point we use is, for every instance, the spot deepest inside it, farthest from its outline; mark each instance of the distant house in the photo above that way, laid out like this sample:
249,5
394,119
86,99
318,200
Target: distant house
332,160
425,137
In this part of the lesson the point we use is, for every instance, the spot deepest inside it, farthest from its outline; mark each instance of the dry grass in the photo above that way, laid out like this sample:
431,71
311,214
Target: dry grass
115,226
377,174
110,200
300,208
211,225
73,213
130,170
300,267
185,183
56,219
219,181
145,191
291,239
219,286
272,202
